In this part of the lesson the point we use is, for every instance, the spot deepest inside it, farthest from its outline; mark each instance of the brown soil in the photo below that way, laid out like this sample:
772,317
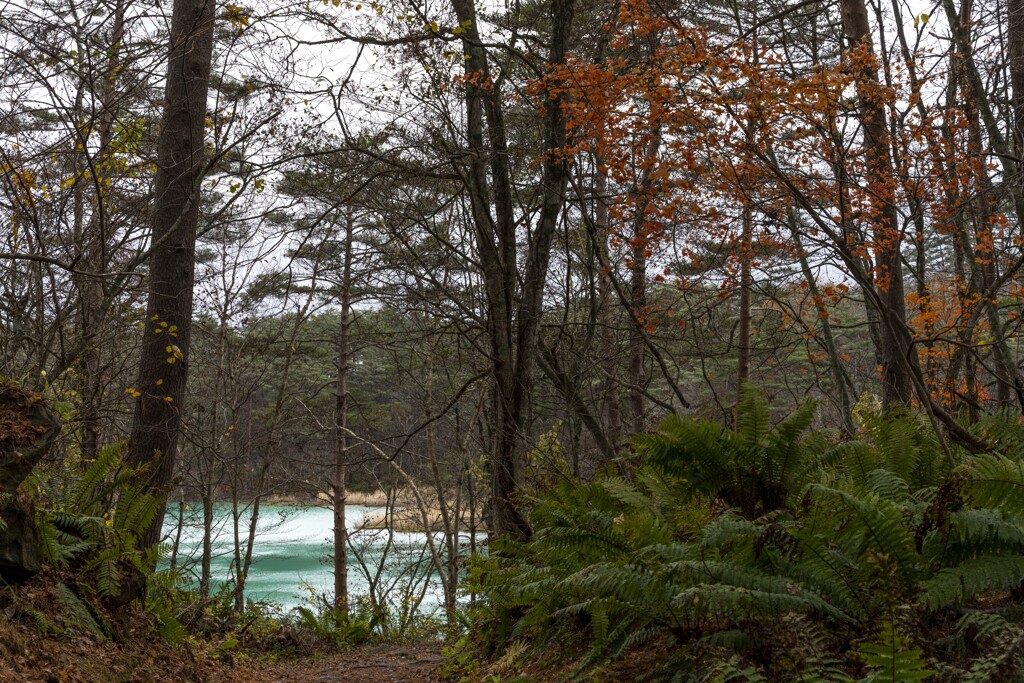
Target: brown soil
370,664
86,661
83,659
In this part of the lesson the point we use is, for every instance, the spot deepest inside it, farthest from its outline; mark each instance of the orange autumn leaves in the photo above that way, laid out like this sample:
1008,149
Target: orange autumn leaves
689,127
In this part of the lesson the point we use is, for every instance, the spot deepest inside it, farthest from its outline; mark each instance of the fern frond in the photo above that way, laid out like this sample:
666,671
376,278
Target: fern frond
997,482
892,660
879,524
754,416
168,626
955,585
888,485
857,458
982,626
979,531
1004,660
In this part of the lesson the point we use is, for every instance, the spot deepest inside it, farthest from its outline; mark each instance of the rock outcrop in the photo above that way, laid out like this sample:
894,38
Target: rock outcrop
27,430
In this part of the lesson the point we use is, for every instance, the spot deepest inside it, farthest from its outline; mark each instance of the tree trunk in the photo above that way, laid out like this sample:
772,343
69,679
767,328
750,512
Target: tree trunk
839,376
163,367
612,403
638,302
746,285
206,560
341,437
513,322
1015,46
895,341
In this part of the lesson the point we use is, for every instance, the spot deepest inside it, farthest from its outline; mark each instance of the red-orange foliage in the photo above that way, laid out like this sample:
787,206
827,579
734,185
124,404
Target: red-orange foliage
690,126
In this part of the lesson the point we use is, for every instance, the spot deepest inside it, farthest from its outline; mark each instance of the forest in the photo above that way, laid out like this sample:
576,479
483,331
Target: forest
615,340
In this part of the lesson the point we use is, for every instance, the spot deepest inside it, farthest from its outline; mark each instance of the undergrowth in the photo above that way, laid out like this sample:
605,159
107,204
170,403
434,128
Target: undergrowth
91,515
773,553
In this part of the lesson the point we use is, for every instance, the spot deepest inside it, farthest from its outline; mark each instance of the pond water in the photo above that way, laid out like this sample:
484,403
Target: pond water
293,550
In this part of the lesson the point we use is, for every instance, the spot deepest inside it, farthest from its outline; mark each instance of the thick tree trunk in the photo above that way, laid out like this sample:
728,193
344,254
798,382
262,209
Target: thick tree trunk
895,341
163,368
513,322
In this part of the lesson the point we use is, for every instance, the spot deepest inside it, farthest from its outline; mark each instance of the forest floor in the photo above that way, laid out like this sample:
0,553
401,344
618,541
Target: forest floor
54,630
367,664
83,660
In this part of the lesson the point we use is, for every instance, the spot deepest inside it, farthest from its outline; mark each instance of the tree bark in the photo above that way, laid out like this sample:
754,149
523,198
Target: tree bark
746,285
612,402
895,340
513,322
341,438
163,368
1015,46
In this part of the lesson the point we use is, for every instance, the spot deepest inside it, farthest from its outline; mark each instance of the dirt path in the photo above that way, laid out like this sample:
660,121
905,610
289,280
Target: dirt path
379,664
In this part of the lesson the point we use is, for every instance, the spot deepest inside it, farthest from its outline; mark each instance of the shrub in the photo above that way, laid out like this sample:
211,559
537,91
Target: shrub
740,541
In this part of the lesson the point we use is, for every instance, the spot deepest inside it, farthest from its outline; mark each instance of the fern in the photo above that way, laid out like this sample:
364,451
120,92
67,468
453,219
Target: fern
795,538
997,482
956,585
892,660
876,524
731,671
1004,431
755,468
1003,662
982,626
95,518
168,626
754,418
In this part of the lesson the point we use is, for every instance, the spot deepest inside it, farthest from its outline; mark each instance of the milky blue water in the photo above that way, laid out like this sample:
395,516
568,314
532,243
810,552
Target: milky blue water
293,550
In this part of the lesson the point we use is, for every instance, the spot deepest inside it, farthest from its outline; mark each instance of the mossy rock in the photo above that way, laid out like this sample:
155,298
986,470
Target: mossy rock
28,429
21,550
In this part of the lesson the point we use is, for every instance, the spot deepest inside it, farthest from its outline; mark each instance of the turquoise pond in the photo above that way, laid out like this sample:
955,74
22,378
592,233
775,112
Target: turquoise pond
292,554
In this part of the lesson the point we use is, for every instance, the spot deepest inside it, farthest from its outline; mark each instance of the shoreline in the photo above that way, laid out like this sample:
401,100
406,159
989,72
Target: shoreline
409,519
404,517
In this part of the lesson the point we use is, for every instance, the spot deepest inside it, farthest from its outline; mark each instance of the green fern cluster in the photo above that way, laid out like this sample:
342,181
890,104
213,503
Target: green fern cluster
743,541
92,517
336,626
